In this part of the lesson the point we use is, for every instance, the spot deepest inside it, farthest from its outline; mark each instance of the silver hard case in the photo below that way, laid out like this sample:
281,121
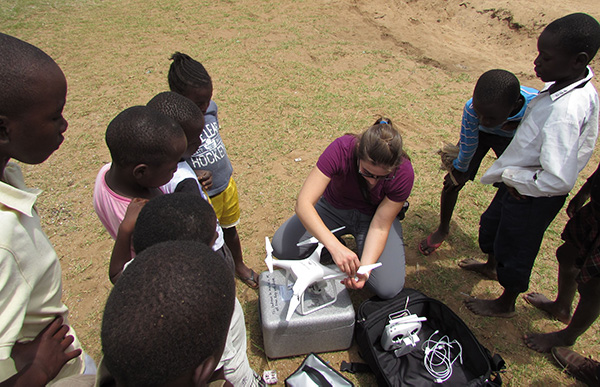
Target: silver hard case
325,330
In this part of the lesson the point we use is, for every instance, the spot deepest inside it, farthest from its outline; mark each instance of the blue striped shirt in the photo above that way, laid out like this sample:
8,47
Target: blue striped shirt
469,130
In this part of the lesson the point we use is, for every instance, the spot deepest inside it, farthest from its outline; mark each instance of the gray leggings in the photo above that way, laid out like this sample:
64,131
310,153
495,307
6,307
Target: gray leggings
386,281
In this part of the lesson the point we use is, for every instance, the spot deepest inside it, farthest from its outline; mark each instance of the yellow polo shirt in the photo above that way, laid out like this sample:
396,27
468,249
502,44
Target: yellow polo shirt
30,274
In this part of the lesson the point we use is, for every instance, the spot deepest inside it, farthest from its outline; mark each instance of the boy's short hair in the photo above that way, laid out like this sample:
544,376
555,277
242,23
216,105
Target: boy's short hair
497,87
139,135
186,72
169,312
179,216
20,64
577,32
176,106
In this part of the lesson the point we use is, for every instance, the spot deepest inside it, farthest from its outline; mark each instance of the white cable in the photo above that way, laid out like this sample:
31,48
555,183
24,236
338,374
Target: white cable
438,357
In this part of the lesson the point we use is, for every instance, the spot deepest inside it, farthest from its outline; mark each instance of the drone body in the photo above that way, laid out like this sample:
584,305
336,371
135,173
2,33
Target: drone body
306,272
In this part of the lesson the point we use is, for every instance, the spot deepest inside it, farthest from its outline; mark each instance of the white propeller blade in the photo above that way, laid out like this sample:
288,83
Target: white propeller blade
313,240
367,268
361,270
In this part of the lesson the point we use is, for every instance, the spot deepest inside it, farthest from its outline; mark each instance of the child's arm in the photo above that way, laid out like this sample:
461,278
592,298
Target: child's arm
582,195
469,139
40,360
121,253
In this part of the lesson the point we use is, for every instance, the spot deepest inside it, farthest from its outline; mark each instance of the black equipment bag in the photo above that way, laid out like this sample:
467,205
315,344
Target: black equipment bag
479,367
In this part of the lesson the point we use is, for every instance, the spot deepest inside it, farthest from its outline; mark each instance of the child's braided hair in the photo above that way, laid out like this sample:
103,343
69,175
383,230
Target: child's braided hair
186,72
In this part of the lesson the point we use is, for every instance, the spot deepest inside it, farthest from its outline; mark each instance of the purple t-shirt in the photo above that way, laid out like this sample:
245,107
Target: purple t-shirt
338,162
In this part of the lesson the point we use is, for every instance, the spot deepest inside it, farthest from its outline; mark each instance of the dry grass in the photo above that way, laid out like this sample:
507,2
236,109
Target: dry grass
290,76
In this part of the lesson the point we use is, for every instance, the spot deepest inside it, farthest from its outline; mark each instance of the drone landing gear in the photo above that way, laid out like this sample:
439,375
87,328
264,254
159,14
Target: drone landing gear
318,296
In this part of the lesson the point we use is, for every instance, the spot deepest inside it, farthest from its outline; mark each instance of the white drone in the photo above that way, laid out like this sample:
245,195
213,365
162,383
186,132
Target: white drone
307,271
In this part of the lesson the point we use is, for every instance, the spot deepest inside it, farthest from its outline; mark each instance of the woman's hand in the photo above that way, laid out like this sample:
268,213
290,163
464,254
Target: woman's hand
345,259
357,282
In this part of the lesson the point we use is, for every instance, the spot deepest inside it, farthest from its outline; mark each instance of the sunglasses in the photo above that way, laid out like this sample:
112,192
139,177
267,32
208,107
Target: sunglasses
369,175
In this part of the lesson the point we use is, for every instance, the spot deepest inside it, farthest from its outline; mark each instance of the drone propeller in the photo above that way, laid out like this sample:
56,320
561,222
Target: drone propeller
269,258
313,240
367,268
337,273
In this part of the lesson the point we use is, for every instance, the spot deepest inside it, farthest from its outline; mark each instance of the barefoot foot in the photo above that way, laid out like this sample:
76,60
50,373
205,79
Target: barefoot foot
483,268
543,303
491,308
544,342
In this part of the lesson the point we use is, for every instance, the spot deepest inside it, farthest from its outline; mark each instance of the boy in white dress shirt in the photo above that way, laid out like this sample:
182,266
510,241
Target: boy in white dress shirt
553,143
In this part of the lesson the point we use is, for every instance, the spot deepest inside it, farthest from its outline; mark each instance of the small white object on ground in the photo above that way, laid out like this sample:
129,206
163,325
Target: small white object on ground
270,376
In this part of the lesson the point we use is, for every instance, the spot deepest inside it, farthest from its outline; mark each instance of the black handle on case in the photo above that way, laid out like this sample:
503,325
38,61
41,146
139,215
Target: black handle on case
316,376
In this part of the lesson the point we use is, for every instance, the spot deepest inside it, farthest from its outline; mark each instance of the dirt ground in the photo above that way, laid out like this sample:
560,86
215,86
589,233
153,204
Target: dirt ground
416,60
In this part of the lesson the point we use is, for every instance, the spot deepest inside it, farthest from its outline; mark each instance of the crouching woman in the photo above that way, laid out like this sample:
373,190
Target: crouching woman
360,182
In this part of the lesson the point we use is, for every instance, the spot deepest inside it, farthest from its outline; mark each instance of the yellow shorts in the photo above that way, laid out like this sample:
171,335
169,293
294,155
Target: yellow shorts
227,205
